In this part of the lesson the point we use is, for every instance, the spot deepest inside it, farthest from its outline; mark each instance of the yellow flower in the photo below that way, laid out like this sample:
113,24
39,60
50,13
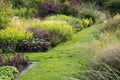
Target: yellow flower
86,22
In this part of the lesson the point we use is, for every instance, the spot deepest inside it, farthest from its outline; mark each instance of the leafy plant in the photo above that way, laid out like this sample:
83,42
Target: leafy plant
113,6
16,60
8,72
4,18
88,11
87,22
89,15
35,45
40,33
24,12
11,36
59,27
17,3
24,8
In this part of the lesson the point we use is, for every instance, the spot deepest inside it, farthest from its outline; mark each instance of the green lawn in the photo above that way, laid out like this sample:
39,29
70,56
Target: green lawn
66,61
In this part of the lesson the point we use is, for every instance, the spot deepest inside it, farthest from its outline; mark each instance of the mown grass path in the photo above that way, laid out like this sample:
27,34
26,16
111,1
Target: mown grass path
65,61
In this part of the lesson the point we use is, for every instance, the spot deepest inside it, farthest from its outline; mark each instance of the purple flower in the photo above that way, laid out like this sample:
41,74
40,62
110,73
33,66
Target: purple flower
49,7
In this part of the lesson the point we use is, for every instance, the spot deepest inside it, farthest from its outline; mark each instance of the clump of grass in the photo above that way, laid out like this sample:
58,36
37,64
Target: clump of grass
105,65
106,60
112,25
110,56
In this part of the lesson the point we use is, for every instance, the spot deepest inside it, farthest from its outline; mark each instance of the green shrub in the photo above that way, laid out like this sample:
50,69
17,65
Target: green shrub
88,11
31,3
89,15
75,22
4,18
11,36
58,17
8,72
17,3
99,2
22,12
59,27
32,12
113,6
24,8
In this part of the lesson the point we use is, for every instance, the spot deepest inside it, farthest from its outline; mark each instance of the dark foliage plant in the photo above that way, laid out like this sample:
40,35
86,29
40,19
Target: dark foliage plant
113,6
40,41
40,33
18,60
51,8
17,3
35,45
